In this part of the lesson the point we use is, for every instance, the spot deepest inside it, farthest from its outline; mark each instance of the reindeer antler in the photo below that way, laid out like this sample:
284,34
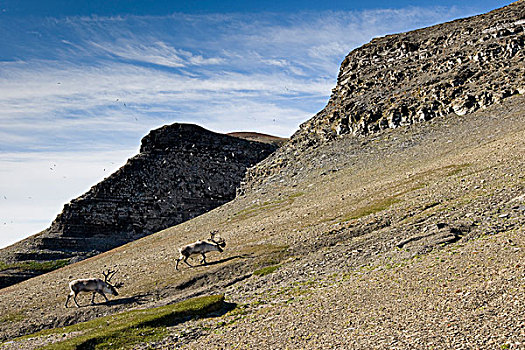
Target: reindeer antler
108,275
220,241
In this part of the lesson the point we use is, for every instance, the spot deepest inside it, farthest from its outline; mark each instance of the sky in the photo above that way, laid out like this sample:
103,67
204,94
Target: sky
82,82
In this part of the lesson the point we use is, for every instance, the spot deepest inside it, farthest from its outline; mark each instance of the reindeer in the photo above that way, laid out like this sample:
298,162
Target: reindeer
201,247
95,285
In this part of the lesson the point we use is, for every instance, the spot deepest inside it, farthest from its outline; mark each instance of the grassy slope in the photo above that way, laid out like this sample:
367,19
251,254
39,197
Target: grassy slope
385,189
128,328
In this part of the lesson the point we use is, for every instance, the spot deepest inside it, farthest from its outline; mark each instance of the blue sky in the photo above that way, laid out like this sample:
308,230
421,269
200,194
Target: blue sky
82,82
57,8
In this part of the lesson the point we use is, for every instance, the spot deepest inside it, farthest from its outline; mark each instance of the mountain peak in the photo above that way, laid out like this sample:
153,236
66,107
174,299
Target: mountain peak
178,135
399,80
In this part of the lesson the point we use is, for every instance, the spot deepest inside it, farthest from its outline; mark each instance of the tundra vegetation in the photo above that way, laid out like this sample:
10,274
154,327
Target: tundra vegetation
129,328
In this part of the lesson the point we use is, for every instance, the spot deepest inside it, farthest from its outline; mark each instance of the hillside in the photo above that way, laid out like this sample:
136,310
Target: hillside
182,171
396,238
403,79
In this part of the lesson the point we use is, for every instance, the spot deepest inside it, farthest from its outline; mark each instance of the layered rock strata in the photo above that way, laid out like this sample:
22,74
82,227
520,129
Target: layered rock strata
182,171
398,80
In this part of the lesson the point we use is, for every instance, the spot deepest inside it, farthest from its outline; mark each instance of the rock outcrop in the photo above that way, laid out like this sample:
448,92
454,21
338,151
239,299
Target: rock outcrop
182,171
398,80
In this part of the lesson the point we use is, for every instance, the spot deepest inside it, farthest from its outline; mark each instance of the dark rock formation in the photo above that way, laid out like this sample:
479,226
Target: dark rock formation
182,171
398,80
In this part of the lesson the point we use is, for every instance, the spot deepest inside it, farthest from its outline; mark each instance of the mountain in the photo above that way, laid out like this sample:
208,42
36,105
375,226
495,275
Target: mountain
378,236
182,171
403,79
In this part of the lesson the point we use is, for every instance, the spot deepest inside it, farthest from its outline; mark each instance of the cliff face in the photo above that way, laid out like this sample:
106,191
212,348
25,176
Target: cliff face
182,171
398,80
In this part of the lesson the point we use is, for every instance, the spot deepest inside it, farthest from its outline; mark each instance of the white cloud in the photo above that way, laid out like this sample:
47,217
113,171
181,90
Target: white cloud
157,52
130,100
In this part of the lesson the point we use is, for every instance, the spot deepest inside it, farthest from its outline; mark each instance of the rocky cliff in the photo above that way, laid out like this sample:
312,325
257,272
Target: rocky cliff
398,80
182,171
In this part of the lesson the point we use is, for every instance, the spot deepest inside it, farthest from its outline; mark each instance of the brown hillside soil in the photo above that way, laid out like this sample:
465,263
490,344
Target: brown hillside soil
258,137
410,238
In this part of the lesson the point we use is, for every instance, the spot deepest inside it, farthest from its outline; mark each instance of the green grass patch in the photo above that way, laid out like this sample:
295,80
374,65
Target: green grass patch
268,205
122,331
12,317
372,208
270,254
124,339
44,266
295,195
3,266
245,213
266,270
455,169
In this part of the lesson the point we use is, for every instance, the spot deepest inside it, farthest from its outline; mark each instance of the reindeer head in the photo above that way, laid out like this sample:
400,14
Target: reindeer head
111,289
219,241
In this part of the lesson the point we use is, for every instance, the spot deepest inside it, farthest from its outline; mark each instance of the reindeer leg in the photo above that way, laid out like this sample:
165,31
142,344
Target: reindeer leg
68,297
186,261
75,300
93,298
203,259
178,261
104,295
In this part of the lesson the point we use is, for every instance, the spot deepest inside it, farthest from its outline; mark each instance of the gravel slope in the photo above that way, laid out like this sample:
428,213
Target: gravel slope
450,193
365,292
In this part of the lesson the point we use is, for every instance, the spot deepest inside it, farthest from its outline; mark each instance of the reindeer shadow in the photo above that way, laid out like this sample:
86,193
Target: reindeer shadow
204,277
245,256
135,299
